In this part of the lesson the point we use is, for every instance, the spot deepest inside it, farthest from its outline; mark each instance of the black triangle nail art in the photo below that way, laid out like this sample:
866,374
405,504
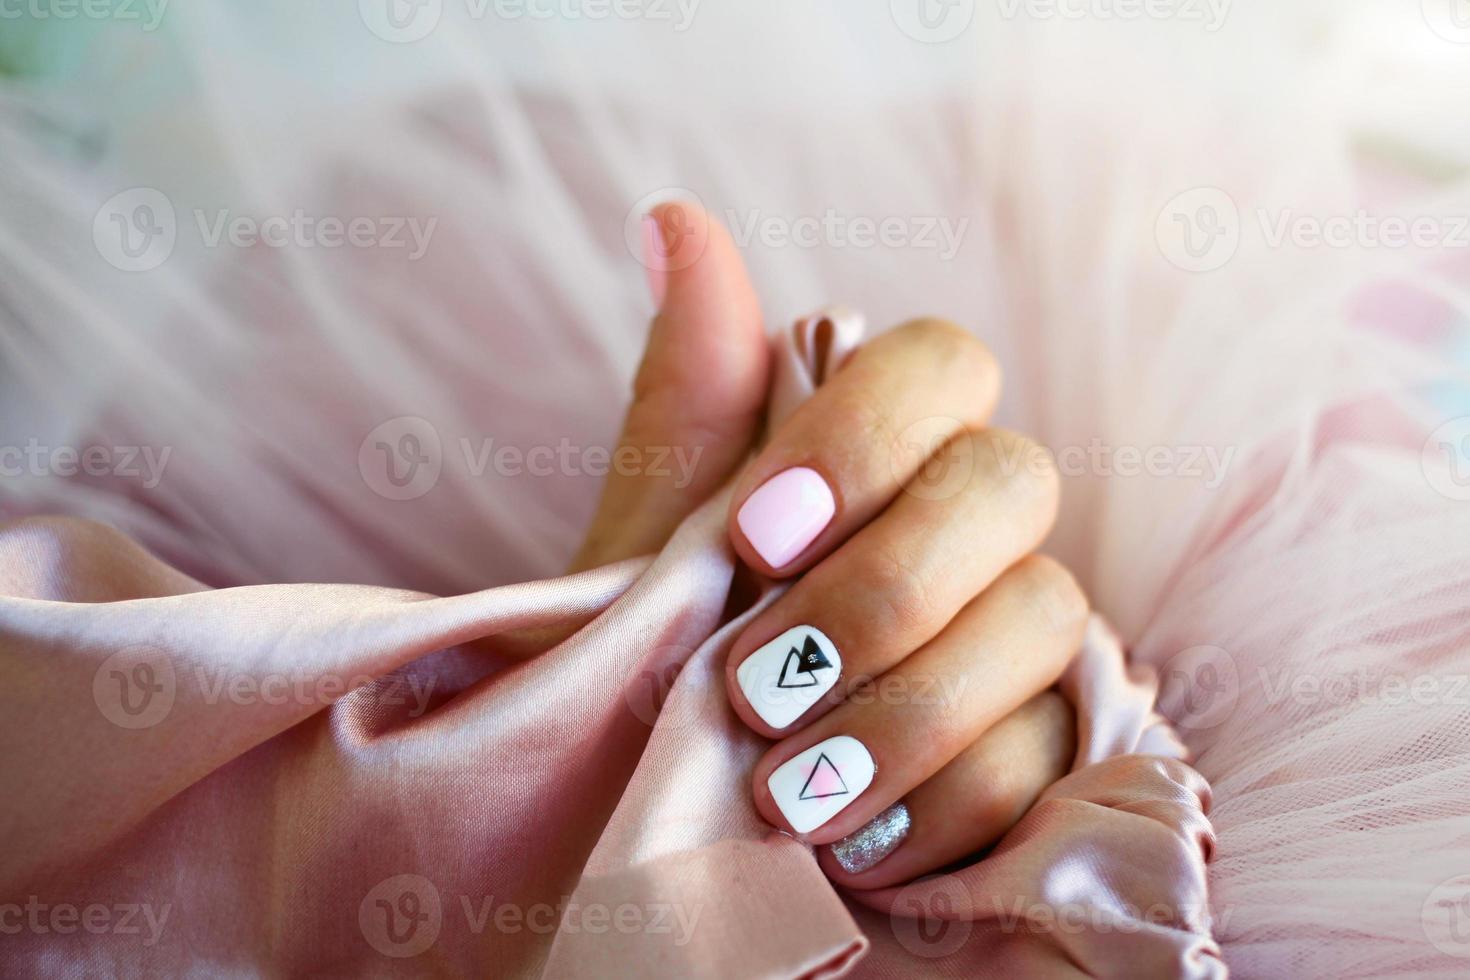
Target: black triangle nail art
806,788
800,668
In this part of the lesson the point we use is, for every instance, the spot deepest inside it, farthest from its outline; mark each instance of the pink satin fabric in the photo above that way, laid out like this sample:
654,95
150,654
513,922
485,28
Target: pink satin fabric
189,789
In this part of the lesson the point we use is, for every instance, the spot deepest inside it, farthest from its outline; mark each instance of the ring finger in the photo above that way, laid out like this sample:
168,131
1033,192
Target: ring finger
894,585
1006,646
966,806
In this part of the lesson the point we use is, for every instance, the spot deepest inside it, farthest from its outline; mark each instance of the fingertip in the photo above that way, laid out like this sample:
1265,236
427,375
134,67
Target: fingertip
708,343
675,239
775,526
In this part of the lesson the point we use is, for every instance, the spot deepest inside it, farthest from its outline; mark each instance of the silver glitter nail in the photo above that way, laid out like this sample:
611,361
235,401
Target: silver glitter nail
864,848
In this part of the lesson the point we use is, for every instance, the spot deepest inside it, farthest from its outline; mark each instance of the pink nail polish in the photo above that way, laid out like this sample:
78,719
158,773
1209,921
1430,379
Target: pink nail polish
655,259
786,513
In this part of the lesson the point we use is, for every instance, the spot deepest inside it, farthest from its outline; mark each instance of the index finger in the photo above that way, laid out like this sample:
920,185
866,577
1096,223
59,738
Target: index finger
841,457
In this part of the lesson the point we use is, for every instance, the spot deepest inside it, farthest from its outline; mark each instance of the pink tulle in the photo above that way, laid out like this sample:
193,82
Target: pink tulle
1295,573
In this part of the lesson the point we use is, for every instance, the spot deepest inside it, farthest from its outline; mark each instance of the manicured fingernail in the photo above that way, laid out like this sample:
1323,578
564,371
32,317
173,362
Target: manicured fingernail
790,674
786,513
819,783
879,838
655,259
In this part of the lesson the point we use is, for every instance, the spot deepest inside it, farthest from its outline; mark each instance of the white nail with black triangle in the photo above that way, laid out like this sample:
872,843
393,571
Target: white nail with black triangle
818,784
787,676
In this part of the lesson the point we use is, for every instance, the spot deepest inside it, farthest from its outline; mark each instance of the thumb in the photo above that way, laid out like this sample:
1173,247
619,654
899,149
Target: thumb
699,394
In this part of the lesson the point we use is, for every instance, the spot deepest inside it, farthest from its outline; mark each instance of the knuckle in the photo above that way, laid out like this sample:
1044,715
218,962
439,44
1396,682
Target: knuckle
1023,468
869,418
1050,710
955,349
935,331
864,421
1052,725
903,601
1051,592
938,333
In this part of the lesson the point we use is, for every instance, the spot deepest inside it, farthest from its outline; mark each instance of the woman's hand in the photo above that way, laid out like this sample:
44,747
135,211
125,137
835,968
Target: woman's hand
911,659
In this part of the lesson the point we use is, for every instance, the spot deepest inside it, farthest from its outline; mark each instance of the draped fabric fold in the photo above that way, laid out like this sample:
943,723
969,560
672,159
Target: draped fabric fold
339,780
